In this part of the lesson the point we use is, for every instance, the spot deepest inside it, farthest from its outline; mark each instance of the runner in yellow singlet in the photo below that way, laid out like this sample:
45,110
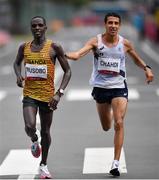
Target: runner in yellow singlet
39,58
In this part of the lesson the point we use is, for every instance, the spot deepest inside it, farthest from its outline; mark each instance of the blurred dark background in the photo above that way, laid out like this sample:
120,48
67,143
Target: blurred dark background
15,15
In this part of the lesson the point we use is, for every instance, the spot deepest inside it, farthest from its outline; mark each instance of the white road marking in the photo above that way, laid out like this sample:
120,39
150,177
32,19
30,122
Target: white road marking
79,95
133,94
58,74
3,94
157,92
99,160
85,94
26,176
19,162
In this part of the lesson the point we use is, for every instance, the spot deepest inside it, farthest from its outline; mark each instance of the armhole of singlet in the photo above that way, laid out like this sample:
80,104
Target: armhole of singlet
27,46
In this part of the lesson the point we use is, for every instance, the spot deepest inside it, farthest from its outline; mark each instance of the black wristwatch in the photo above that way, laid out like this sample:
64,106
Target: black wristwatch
146,67
60,92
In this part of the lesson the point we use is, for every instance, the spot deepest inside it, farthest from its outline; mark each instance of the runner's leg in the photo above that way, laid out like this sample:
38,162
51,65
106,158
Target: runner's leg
29,114
46,120
119,106
105,115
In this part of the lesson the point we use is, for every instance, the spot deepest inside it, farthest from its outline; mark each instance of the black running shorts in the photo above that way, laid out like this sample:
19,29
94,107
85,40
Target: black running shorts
102,95
28,101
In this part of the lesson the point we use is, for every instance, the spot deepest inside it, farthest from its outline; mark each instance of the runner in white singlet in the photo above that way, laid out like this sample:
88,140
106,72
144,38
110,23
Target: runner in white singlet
109,79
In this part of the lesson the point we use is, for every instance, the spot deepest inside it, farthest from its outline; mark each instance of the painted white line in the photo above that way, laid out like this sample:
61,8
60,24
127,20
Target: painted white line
3,94
150,52
133,94
143,105
19,162
26,176
85,94
157,92
79,95
99,160
58,74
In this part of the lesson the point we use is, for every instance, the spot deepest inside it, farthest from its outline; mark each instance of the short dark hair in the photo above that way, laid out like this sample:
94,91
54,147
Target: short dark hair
44,20
112,14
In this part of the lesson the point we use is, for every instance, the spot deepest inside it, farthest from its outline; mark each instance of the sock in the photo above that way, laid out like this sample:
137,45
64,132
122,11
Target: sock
115,164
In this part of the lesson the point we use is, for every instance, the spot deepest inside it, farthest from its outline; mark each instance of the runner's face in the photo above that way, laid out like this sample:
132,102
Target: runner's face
112,25
38,27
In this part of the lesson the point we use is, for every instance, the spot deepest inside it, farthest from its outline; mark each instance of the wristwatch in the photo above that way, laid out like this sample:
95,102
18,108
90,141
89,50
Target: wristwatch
147,66
60,92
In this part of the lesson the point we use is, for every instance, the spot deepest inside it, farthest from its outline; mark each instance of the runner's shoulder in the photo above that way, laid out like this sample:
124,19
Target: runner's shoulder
56,46
56,50
127,45
21,47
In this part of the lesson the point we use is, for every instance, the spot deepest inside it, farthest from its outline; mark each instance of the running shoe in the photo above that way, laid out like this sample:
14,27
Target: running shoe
115,169
44,172
35,149
115,172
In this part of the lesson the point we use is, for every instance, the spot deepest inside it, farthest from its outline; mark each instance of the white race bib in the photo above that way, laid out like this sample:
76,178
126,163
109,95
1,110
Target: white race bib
109,65
34,71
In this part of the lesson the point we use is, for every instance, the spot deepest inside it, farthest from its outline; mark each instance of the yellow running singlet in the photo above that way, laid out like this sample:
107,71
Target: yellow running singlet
39,73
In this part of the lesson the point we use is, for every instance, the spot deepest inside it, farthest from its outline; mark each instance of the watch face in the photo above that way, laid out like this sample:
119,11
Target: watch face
61,91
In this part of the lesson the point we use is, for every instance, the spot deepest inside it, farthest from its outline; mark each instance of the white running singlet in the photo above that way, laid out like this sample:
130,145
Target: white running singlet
109,65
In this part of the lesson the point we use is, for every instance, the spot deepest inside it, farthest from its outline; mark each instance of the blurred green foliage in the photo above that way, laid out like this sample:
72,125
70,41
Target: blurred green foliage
76,3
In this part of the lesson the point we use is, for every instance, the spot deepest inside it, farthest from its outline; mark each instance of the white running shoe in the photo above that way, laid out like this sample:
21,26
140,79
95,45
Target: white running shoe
44,172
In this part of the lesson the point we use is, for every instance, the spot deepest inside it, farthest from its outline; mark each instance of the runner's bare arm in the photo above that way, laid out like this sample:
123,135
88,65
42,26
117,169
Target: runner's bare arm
66,76
17,65
138,60
64,64
90,45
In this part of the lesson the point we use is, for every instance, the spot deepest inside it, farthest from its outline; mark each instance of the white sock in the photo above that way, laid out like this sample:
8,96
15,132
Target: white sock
115,164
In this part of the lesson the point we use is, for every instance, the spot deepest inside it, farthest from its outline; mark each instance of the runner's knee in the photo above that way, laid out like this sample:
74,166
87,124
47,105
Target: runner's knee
45,138
106,123
31,132
106,127
45,134
118,125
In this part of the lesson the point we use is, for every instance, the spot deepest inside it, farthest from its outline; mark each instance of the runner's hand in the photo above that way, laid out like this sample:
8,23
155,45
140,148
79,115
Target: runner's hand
149,75
54,101
20,80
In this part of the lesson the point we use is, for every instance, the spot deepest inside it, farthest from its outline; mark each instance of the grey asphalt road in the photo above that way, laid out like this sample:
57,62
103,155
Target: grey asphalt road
76,125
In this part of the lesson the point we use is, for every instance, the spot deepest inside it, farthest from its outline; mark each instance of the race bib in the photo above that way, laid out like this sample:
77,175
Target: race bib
109,65
36,72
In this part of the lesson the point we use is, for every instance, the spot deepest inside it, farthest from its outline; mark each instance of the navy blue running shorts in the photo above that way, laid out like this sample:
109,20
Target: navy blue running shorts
102,95
28,101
